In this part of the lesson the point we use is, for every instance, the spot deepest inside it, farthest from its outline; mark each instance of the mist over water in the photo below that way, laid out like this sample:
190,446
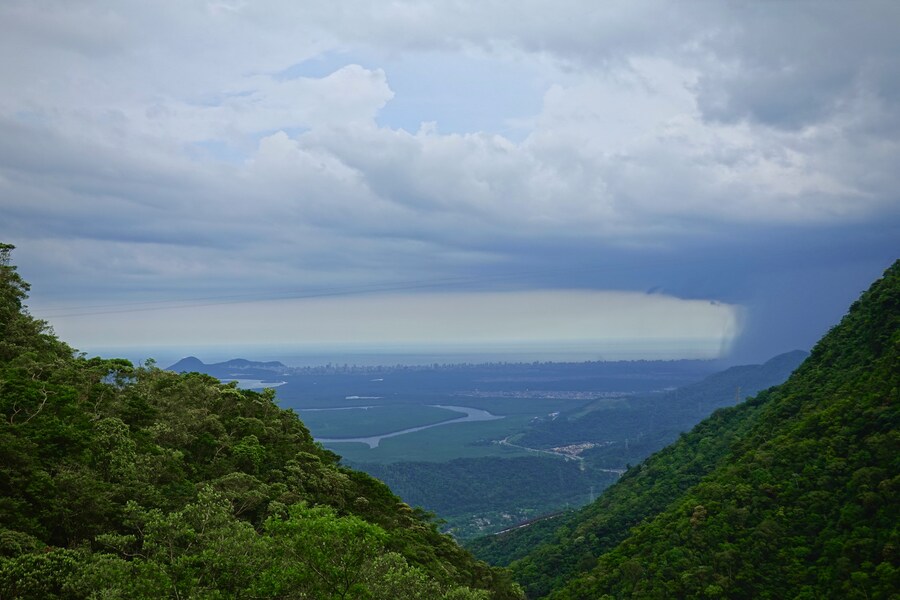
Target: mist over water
391,355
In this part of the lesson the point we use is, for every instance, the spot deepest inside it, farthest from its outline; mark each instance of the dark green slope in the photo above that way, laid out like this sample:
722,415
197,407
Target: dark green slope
640,493
124,482
650,424
469,492
793,494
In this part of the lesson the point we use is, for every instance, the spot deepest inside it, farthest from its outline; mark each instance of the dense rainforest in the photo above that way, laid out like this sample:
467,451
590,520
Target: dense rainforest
791,494
123,481
467,491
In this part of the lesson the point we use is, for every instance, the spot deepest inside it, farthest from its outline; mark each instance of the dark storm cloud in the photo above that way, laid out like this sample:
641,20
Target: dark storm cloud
794,64
742,153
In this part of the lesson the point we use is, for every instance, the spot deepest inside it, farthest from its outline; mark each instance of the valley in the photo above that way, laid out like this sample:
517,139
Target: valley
145,482
488,446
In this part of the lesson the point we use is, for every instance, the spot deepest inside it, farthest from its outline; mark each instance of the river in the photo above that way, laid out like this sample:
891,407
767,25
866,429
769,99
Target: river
471,415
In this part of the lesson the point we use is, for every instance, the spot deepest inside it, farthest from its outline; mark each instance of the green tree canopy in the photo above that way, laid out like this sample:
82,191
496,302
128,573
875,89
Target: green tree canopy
119,481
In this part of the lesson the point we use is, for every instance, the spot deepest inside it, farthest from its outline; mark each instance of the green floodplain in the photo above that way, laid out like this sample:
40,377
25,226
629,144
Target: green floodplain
346,403
554,435
435,444
366,421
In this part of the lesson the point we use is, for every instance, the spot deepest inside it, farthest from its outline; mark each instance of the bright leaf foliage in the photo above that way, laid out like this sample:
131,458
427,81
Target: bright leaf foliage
792,494
119,481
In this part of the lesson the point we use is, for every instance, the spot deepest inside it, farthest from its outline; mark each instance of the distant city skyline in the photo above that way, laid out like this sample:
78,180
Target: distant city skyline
209,174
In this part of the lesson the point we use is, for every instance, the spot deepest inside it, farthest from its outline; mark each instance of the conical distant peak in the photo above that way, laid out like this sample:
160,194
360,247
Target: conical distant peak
188,363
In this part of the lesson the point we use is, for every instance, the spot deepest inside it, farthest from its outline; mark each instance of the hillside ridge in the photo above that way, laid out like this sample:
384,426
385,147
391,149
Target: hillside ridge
791,494
191,364
119,481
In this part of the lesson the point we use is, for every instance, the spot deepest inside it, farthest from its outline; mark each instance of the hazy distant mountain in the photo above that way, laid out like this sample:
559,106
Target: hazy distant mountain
229,368
190,364
638,425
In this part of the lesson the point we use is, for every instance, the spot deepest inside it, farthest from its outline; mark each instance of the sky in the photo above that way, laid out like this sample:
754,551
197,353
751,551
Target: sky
638,178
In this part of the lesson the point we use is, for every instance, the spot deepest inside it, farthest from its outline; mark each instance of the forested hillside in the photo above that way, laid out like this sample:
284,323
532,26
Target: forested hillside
793,494
649,418
627,430
119,481
472,494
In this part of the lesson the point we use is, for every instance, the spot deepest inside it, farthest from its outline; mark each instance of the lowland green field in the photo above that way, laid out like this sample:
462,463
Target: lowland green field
438,444
365,421
435,444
